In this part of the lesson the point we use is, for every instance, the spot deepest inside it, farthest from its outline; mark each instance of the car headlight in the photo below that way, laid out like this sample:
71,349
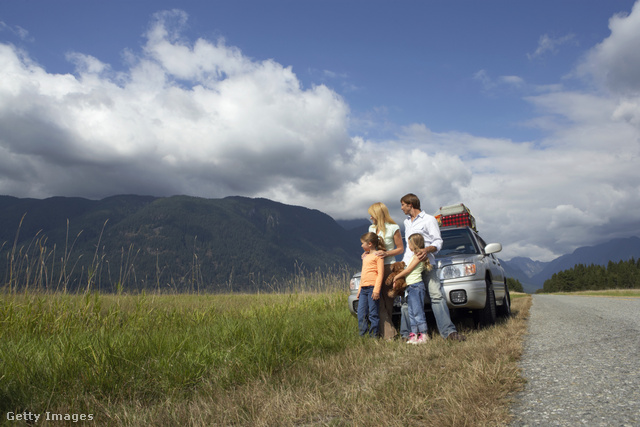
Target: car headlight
457,270
354,284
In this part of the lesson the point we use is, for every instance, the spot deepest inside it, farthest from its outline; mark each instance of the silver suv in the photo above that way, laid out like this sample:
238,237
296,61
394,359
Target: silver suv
472,277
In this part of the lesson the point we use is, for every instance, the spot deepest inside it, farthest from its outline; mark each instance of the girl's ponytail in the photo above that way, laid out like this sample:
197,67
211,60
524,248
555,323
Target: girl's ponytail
418,241
371,237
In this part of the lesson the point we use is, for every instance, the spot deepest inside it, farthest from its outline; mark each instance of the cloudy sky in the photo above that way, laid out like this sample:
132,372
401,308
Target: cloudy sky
526,111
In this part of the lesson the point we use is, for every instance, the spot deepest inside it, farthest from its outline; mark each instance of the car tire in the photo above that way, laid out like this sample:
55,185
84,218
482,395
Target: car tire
487,315
504,310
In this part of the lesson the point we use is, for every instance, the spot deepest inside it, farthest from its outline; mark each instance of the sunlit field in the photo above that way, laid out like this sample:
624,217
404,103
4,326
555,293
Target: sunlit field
262,359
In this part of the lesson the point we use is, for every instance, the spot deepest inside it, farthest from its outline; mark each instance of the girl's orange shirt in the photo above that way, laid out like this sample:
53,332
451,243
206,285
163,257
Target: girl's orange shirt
372,272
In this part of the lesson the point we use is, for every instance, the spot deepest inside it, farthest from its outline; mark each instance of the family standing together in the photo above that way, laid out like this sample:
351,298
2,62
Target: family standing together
381,244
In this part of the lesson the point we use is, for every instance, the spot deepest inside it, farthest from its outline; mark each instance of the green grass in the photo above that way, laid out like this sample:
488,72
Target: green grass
76,352
515,295
606,293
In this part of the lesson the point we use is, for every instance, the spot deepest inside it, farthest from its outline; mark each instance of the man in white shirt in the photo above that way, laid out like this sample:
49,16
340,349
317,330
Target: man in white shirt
419,222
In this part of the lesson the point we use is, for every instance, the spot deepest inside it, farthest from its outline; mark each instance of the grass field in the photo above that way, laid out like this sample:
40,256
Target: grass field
606,293
268,359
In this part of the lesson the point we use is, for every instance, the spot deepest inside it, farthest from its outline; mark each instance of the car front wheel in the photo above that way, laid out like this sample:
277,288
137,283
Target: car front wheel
487,315
505,309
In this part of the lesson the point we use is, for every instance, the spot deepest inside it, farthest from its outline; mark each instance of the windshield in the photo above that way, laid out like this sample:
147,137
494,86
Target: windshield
457,241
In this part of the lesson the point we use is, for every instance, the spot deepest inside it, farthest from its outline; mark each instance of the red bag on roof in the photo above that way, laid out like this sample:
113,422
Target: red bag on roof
455,215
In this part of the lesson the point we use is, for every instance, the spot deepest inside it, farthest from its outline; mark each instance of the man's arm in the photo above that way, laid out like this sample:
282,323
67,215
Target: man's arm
435,244
424,253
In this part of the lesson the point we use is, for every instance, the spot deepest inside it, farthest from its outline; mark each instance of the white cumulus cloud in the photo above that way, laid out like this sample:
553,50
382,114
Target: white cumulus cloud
201,118
615,62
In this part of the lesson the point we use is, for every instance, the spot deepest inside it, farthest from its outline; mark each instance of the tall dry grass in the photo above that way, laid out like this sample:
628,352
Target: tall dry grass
37,266
382,383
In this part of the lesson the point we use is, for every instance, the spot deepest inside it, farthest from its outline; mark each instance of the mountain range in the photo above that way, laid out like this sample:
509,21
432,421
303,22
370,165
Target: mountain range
532,274
188,243
180,242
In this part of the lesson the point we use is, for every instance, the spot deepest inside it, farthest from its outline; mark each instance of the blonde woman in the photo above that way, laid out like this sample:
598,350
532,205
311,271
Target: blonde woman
386,228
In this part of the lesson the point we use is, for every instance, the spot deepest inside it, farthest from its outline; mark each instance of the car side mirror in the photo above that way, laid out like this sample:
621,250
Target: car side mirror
492,248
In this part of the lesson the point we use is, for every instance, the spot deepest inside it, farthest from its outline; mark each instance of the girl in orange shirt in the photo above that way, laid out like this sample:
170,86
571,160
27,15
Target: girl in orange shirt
370,284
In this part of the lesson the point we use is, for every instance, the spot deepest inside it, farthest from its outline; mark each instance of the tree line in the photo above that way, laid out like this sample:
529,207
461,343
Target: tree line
621,275
514,285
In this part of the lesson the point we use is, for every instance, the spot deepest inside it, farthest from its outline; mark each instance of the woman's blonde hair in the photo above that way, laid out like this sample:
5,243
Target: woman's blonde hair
371,237
380,214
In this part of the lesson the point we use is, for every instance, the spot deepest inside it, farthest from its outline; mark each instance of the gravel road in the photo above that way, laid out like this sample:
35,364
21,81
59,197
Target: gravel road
582,363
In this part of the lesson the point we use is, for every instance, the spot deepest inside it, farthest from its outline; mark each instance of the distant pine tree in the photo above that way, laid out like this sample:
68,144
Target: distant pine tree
620,275
514,285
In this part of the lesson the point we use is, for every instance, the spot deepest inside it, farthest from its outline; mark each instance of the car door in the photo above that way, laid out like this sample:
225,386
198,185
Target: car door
497,272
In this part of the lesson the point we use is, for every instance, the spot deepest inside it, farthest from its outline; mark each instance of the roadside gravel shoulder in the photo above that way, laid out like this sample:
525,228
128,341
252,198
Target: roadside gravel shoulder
581,362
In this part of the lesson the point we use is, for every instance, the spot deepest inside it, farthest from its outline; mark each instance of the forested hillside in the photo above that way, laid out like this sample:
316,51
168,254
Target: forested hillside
620,275
182,243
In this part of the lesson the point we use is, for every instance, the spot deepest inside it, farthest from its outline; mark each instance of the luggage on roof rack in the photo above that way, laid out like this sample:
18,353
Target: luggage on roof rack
455,216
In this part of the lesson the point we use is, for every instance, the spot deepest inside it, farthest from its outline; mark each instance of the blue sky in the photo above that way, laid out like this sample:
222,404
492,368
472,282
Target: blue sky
400,62
527,111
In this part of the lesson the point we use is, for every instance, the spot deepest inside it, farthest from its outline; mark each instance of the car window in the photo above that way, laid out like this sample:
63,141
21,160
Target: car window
481,242
457,241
